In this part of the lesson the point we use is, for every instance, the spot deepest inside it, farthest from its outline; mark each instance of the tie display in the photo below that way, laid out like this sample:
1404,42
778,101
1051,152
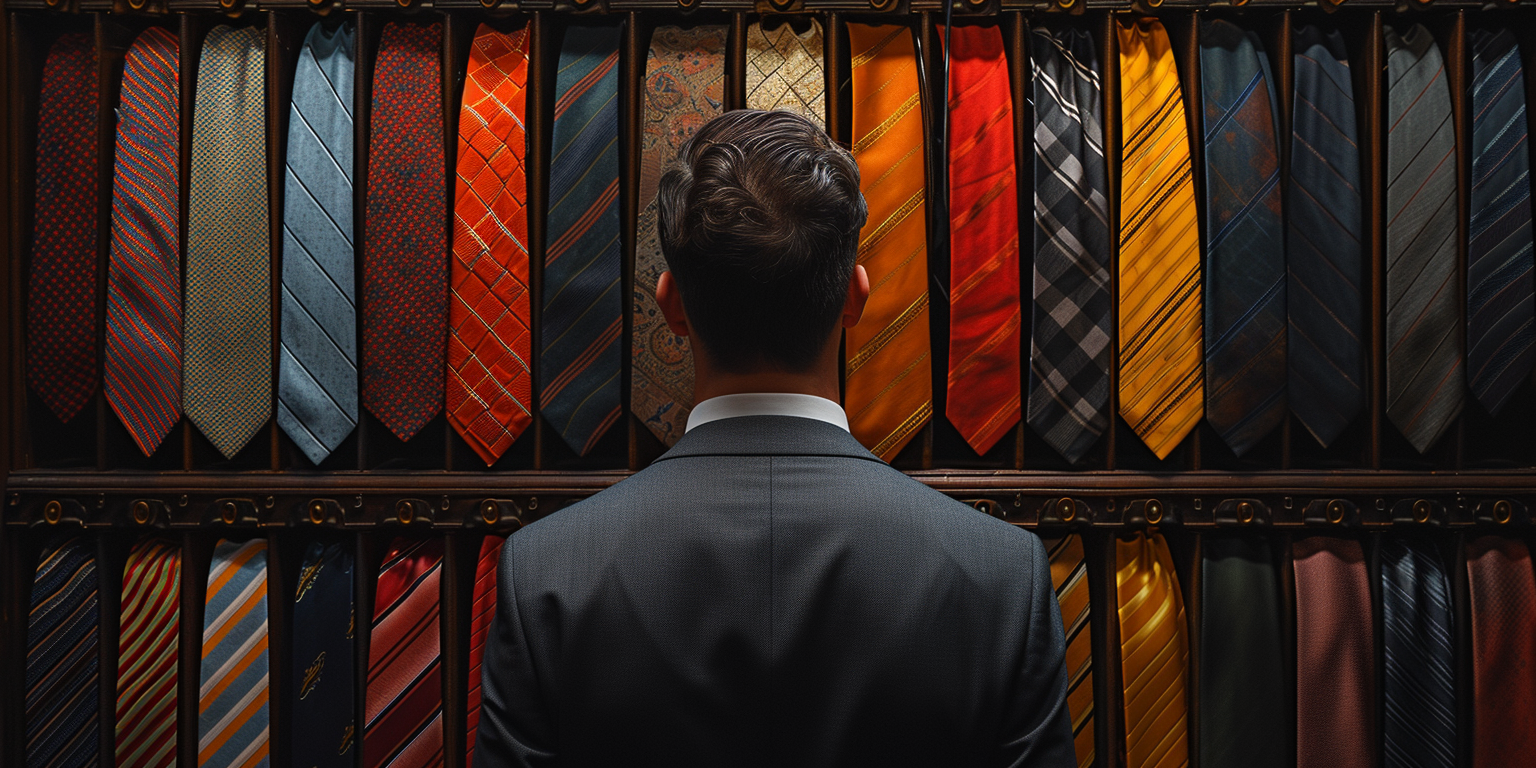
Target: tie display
482,611
1324,304
1071,308
405,240
62,647
324,667
1503,610
227,380
1154,647
317,362
1161,392
61,284
1069,576
684,88
1424,325
1242,677
785,70
147,651
581,358
1420,686
1245,370
233,729
1500,288
985,389
1335,655
404,710
889,387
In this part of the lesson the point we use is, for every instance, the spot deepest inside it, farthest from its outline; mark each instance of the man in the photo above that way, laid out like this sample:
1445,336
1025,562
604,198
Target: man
768,592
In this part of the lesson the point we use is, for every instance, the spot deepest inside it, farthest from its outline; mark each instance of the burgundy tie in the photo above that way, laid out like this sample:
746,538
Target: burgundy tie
1335,655
483,610
1503,595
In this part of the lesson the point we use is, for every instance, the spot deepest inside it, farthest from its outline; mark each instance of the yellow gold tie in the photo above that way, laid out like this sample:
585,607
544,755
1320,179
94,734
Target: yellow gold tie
1161,378
889,394
1069,575
1154,651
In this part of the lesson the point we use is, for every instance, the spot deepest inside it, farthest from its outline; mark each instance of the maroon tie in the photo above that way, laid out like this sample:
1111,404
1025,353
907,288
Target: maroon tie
1503,591
1335,655
481,613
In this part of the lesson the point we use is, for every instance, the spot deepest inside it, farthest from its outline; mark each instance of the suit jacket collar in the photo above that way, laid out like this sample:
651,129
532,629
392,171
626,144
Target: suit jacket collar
768,436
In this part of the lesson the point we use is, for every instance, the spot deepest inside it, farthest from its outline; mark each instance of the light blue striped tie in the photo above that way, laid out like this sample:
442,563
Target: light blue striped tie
317,367
1420,728
233,725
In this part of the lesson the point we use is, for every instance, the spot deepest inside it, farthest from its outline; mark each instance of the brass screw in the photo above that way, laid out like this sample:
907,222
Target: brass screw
533,502
228,512
1336,511
489,513
1244,512
53,512
1421,511
1503,511
316,512
1066,510
1154,511
141,512
404,512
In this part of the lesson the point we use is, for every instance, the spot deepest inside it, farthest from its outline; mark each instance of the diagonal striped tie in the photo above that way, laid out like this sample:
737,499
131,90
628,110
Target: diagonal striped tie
1425,338
1500,289
785,70
1069,575
62,652
1154,649
232,726
1161,392
148,644
889,393
582,302
317,362
404,710
323,659
1242,680
482,611
1420,727
1323,295
1069,344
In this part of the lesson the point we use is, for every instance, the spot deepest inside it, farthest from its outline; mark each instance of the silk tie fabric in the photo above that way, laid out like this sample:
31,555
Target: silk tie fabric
482,611
1069,576
405,241
583,291
1245,370
889,382
1335,655
317,362
1420,727
1503,610
227,381
684,88
1425,337
785,70
1501,293
324,667
985,388
1154,649
1161,391
143,345
61,284
62,648
1325,313
1242,677
404,711
232,725
1071,309
148,647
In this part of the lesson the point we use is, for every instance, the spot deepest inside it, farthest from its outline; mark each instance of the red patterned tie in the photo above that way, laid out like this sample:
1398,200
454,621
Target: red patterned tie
489,345
147,652
1335,656
479,626
1503,590
404,709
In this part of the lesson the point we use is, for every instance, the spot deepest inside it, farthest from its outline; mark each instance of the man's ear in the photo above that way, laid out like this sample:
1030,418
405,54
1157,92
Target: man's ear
858,295
671,302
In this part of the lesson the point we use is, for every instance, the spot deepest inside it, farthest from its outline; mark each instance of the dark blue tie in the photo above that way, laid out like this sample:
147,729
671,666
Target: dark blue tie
1420,728
1500,291
62,674
1245,256
324,666
1323,241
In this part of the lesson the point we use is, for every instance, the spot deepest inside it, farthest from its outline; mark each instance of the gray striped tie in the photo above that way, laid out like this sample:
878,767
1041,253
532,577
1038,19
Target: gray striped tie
317,367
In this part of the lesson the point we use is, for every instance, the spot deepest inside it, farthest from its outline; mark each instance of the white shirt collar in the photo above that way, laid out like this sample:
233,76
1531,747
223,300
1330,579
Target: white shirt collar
768,404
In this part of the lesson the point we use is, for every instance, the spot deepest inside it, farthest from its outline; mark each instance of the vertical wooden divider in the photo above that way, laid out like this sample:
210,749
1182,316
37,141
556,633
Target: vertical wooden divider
192,31
1458,57
1192,587
362,104
1015,30
1374,137
452,79
365,580
109,67
282,570
13,605
631,108
109,585
736,63
1281,542
196,553
834,57
1461,621
540,131
1283,65
1109,686
1189,82
1109,78
9,436
22,113
935,112
1371,543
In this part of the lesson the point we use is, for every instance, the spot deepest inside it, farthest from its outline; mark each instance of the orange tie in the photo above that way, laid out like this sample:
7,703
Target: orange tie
889,392
1154,651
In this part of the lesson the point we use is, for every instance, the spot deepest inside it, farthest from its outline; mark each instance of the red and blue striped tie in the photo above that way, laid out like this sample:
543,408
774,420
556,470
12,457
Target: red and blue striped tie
404,713
481,614
62,647
146,657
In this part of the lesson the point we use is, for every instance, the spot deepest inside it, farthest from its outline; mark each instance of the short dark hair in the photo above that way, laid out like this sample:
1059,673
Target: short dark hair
759,221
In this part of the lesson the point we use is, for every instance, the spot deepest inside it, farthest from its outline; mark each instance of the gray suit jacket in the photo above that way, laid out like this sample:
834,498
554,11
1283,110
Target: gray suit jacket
770,593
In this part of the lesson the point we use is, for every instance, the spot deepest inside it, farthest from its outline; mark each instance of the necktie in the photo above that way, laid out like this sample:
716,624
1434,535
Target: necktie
232,725
1245,256
583,305
1161,393
889,388
61,285
405,273
482,611
148,644
1420,728
317,363
1242,682
323,660
1500,288
784,70
1069,575
1323,294
1503,610
984,386
61,696
143,345
1335,655
1154,650
1069,343
405,691
228,375
684,88
1424,331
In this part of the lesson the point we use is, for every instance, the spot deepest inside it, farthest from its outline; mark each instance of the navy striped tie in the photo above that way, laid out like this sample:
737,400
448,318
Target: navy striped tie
324,667
1499,283
1420,729
1323,295
62,648
583,308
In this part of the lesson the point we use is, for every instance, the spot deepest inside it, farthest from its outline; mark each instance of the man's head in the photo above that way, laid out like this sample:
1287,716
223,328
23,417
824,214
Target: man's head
759,222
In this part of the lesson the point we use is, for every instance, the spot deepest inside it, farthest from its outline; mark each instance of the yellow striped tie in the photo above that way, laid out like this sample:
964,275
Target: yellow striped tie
1154,651
1161,392
1069,574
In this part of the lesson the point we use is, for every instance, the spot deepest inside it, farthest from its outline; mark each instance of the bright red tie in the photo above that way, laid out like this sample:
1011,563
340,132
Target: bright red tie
404,708
483,610
1503,591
